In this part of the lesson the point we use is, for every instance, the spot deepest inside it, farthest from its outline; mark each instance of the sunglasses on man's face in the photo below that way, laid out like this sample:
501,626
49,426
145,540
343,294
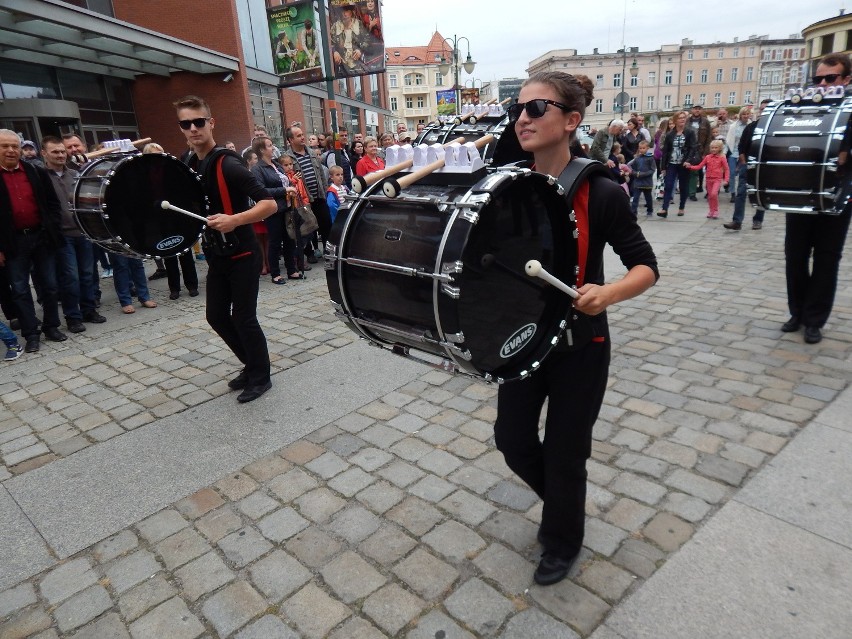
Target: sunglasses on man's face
199,123
830,78
534,108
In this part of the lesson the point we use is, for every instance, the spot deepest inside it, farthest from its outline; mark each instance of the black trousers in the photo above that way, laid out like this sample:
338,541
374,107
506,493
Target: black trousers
187,265
232,288
7,301
811,287
573,383
320,209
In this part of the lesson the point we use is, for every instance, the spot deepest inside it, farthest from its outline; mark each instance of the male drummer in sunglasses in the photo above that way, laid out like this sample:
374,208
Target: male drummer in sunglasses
811,287
232,283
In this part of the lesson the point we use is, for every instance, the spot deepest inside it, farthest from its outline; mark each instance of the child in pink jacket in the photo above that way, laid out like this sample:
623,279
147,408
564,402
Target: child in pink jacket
715,176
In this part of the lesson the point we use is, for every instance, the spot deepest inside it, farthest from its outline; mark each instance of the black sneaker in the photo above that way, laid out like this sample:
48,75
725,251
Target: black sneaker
251,393
240,381
93,317
552,569
75,326
157,275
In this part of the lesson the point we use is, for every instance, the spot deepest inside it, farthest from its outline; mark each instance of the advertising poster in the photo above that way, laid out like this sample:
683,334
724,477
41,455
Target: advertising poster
296,44
355,38
446,102
470,96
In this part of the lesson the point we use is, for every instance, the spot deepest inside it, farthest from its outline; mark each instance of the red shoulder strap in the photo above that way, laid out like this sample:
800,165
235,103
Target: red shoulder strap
581,216
223,188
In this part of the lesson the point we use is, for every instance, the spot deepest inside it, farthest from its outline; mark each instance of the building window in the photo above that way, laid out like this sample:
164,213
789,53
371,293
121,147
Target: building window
393,104
651,106
668,78
702,99
689,77
312,108
652,78
375,98
776,76
687,99
717,99
749,74
719,74
634,104
408,79
751,52
439,79
764,77
667,102
706,54
392,80
690,54
794,75
736,52
351,117
703,76
599,80
747,98
616,80
634,81
721,52
735,72
409,102
616,107
598,106
732,97
421,102
419,79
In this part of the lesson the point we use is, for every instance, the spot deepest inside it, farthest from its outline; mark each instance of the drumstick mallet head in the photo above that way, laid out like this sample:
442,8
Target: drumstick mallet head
534,268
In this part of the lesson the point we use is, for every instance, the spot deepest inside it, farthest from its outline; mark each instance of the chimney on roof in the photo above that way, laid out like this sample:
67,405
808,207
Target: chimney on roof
595,52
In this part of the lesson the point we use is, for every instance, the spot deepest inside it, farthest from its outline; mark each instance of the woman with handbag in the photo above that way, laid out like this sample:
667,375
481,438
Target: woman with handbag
300,221
278,186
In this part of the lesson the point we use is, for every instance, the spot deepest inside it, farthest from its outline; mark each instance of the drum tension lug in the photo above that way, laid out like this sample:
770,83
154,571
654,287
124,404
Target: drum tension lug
455,338
451,291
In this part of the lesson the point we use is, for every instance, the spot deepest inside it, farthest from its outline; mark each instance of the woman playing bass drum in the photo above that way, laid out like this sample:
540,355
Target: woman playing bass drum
573,377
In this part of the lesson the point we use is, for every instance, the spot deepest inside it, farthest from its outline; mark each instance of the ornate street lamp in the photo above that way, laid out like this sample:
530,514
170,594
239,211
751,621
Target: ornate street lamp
454,63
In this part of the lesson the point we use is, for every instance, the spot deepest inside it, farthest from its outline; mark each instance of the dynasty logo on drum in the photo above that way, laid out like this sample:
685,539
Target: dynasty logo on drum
517,341
169,242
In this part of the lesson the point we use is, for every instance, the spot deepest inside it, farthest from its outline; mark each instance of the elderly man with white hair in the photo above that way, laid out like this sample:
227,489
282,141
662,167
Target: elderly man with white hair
604,139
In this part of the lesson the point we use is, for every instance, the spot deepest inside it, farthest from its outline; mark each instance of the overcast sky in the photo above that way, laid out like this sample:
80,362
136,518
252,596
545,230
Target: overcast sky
505,35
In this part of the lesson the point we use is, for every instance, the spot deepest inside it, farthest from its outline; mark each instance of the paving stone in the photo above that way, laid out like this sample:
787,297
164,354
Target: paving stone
470,509
370,458
351,481
511,528
301,452
697,486
267,627
642,464
236,486
479,606
25,624
244,546
415,515
381,496
606,580
387,545
638,557
638,488
126,572
314,612
357,628
16,598
629,515
282,524
381,435
603,538
170,619
267,468
437,624
67,579
217,524
181,547
508,570
351,577
411,449
108,627
392,608
354,423
203,575
313,547
327,465
513,496
726,470
454,541
571,604
163,524
319,505
686,507
432,488
292,484
427,575
233,607
82,608
475,479
141,598
278,575
535,623
257,505
115,546
438,435
439,462
401,473
354,524
668,532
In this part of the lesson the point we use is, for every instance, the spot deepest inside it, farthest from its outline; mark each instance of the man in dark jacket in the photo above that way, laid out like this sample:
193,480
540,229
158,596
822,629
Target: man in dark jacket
700,124
29,239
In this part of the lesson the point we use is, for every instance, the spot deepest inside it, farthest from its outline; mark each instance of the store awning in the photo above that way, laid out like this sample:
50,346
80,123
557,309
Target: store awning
56,34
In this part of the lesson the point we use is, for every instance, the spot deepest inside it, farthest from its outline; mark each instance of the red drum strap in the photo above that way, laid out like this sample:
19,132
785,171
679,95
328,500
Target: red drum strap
581,214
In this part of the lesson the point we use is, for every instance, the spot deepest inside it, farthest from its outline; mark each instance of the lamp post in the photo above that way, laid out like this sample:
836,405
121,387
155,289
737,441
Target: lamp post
624,97
455,62
634,73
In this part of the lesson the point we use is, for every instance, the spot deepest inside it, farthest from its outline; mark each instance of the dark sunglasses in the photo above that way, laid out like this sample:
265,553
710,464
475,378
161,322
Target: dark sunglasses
830,78
199,123
534,108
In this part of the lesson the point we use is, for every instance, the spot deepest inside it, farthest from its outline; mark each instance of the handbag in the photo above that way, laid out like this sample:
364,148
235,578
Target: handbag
303,215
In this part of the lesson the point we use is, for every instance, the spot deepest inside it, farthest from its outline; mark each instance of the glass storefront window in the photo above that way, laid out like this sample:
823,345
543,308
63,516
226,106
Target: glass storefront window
83,88
19,80
314,115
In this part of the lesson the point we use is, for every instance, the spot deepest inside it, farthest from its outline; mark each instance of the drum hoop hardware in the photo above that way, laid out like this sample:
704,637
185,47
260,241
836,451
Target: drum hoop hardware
450,346
452,267
455,338
453,292
394,268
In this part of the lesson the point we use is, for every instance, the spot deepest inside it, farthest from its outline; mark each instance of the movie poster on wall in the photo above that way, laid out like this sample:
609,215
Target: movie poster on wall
446,102
355,38
296,43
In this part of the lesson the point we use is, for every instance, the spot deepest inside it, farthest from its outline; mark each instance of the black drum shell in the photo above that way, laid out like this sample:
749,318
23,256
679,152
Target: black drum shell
117,204
497,304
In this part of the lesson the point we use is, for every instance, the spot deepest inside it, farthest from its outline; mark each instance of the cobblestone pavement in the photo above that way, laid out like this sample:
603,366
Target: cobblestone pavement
401,519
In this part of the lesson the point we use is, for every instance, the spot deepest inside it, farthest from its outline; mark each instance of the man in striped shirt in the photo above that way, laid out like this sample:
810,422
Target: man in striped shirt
313,174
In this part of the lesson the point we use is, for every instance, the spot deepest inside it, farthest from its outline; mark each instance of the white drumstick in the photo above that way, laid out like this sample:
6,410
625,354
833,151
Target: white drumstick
535,269
167,206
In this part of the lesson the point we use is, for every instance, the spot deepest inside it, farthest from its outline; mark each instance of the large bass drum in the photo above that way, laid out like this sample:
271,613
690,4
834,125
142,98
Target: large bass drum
504,149
117,204
792,160
440,270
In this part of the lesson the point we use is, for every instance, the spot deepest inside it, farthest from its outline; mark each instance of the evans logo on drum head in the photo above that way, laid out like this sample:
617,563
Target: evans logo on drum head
517,341
169,242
